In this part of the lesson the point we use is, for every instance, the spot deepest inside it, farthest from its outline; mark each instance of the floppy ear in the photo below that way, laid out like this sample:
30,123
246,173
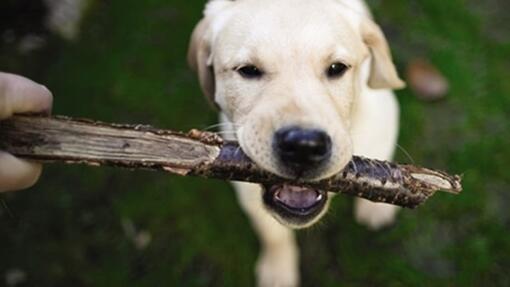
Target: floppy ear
383,74
200,58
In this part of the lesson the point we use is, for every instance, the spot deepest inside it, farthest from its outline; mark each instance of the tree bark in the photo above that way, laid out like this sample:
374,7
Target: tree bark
196,153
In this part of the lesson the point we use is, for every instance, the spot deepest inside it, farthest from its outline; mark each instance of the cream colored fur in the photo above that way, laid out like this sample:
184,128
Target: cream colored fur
293,42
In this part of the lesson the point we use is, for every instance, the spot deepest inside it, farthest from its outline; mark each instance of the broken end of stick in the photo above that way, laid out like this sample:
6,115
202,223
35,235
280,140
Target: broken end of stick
457,185
435,180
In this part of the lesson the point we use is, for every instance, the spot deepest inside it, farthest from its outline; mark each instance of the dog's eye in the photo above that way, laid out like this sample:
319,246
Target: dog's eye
250,72
336,70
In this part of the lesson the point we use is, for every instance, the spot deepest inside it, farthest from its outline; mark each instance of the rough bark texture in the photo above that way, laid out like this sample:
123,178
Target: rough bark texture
63,139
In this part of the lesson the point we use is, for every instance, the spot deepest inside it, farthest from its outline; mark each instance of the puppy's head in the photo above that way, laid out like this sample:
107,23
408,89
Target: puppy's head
287,74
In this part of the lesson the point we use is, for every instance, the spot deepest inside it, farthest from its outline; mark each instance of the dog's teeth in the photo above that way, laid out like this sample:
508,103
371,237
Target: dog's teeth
319,198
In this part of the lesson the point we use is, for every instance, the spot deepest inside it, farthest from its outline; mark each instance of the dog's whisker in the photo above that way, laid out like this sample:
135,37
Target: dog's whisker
406,153
237,150
355,166
219,125
226,132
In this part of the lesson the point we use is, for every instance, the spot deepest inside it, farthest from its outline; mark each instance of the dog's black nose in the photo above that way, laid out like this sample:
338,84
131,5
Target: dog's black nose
301,149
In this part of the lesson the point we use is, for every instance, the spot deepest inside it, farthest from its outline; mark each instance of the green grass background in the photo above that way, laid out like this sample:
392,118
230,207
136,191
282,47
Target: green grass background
129,66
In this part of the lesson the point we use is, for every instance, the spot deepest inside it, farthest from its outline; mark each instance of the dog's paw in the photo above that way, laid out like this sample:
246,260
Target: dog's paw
278,267
374,215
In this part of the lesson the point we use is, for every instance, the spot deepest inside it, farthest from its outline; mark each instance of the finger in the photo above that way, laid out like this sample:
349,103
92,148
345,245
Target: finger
21,95
17,174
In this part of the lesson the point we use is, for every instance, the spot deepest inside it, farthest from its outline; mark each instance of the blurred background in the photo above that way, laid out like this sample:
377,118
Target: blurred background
124,61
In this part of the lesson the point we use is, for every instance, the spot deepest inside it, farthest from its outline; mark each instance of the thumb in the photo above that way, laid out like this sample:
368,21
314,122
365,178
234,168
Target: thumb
21,95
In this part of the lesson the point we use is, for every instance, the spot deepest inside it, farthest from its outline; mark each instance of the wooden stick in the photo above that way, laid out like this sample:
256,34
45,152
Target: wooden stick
81,141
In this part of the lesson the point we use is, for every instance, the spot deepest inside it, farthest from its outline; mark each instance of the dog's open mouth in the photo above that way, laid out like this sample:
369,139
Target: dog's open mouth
295,201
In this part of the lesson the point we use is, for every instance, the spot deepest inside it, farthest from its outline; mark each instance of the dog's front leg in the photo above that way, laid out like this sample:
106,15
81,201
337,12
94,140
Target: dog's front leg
278,263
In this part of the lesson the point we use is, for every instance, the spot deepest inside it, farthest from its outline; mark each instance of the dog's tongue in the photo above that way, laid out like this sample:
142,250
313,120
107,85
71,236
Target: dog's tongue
297,196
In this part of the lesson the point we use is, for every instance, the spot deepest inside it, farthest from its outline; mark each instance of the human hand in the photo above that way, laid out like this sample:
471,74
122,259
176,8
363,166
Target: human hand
20,95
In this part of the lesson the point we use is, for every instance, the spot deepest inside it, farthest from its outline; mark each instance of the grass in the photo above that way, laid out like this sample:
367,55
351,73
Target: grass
129,66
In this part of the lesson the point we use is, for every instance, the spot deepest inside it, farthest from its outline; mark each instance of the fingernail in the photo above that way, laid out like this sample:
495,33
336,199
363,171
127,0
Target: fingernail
50,96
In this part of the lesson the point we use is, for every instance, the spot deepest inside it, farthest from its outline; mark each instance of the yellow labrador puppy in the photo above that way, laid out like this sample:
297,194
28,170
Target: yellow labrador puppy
302,85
